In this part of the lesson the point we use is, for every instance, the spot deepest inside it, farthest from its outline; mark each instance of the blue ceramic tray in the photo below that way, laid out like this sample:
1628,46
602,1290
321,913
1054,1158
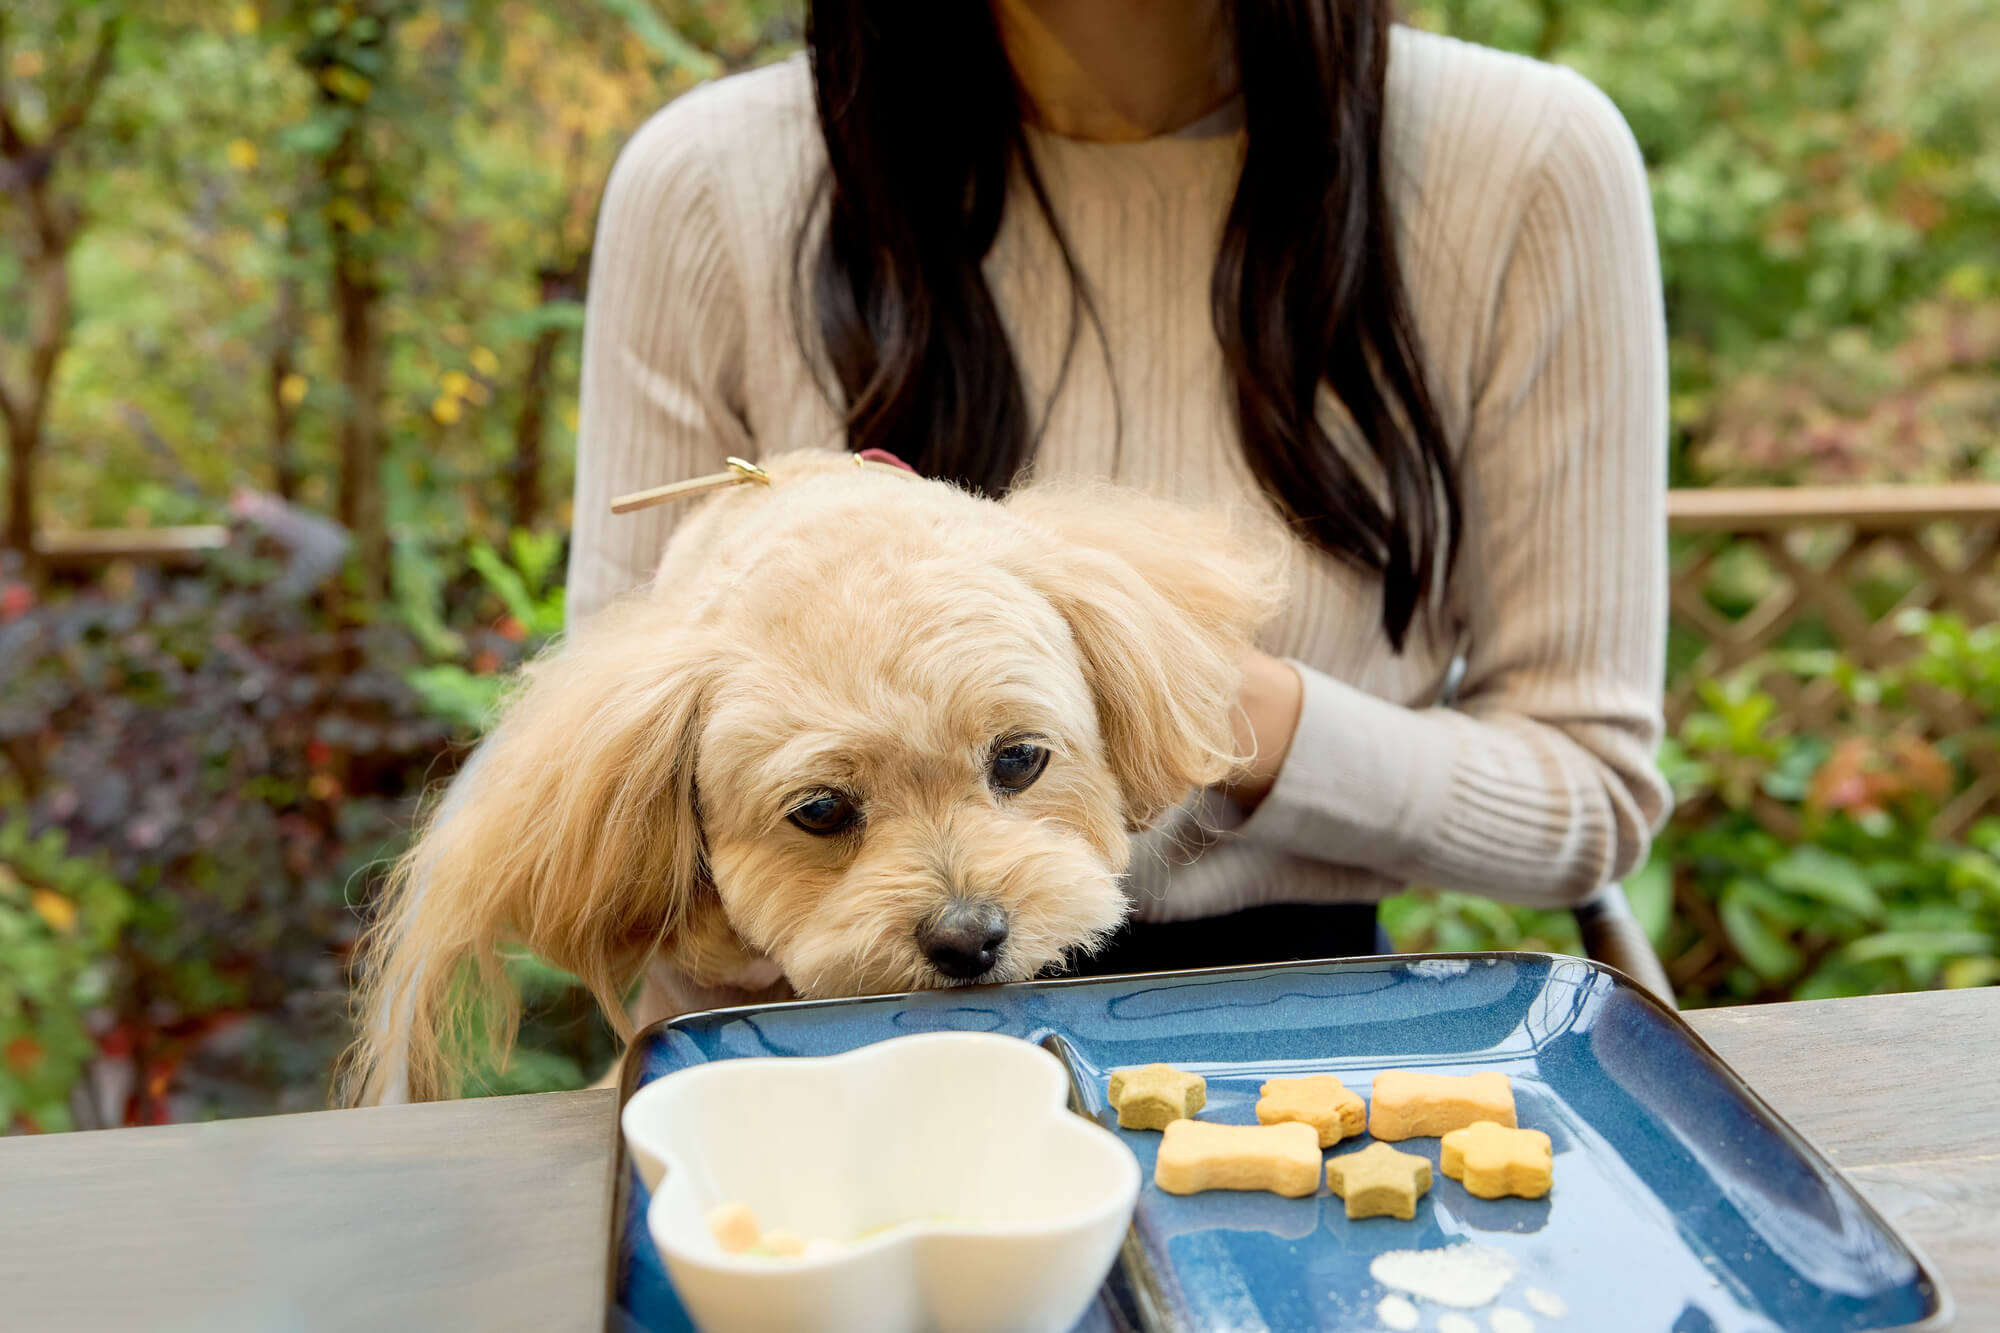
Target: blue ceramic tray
1682,1203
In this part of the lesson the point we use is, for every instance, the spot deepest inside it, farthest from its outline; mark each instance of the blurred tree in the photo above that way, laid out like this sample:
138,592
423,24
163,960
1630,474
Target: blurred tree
48,90
1818,169
348,50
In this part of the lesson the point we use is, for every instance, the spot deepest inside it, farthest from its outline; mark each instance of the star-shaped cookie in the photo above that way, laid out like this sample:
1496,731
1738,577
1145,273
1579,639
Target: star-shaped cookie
1154,1096
1319,1100
1494,1161
1379,1181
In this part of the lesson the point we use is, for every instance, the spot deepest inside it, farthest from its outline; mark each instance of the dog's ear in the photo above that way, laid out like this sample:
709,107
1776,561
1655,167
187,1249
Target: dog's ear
573,832
1164,601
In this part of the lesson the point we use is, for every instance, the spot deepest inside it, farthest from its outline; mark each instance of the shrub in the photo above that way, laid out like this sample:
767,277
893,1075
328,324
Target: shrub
1801,865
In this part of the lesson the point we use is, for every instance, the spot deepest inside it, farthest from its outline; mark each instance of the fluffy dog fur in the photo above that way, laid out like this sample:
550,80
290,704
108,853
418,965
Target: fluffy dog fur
841,630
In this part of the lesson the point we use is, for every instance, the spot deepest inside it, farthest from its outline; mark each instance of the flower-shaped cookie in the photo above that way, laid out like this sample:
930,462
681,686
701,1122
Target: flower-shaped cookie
1493,1160
1319,1100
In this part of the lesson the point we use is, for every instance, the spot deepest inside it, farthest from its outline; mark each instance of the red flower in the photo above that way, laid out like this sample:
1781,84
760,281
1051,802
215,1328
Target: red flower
24,1055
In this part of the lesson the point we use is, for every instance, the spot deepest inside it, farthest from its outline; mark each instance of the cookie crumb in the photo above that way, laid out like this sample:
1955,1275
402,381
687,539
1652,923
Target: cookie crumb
1545,1303
1397,1313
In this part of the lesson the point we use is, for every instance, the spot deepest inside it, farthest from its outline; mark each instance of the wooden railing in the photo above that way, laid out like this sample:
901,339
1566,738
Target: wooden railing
1837,566
90,547
1754,569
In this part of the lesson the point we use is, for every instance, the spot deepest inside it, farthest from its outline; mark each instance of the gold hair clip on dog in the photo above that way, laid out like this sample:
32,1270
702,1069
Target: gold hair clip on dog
740,471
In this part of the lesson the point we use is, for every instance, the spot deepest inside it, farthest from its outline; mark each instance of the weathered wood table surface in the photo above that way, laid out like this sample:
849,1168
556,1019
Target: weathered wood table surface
493,1215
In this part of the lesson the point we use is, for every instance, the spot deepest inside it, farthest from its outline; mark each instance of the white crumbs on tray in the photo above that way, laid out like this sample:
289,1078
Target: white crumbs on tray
1456,1323
1504,1320
1465,1276
1545,1303
1397,1313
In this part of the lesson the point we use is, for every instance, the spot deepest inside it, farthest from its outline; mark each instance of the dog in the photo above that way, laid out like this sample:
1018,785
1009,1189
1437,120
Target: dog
864,733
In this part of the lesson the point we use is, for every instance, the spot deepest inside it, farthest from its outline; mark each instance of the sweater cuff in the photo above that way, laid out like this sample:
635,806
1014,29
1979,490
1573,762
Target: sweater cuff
1363,782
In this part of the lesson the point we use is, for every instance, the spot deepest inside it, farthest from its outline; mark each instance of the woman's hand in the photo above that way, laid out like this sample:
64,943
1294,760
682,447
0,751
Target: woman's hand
1266,716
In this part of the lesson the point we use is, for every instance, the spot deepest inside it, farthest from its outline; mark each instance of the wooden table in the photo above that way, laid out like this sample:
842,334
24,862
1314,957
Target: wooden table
492,1215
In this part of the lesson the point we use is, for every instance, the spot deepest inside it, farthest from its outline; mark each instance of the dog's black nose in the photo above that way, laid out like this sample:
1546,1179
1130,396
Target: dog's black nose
964,940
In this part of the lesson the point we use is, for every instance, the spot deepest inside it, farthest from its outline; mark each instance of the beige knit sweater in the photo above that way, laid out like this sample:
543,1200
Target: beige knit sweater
1529,257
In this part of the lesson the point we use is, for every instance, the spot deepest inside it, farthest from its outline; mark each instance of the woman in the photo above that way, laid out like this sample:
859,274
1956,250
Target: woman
1167,241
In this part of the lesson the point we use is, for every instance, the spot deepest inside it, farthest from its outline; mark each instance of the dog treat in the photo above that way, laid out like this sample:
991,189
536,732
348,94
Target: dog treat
1495,1160
734,1227
1319,1100
1378,1181
1197,1155
1405,1105
1154,1096
782,1244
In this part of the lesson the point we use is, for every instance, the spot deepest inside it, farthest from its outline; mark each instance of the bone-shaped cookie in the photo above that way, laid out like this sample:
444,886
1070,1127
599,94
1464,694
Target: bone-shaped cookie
1404,1104
1198,1155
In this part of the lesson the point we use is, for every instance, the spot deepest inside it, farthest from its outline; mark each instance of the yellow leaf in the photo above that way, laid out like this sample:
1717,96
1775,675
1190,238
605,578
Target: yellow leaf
245,19
55,909
477,392
1967,282
419,31
344,83
569,418
242,154
485,362
446,409
350,215
456,383
292,389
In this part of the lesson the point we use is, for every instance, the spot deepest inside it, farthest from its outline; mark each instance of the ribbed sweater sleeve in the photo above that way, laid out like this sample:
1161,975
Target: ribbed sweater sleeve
1540,784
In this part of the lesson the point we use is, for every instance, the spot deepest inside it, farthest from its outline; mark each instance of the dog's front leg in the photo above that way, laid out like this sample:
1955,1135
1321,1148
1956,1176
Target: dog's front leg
668,991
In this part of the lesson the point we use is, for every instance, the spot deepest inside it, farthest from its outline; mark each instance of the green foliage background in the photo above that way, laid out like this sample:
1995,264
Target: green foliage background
1826,181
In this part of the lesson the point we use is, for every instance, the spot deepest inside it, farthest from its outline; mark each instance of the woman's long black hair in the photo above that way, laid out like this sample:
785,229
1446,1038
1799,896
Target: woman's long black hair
922,119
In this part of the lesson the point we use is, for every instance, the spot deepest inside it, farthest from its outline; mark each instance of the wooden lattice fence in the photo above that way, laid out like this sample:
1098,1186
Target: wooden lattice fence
1759,570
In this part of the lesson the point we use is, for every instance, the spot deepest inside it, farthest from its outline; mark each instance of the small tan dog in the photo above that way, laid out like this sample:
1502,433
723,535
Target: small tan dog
865,733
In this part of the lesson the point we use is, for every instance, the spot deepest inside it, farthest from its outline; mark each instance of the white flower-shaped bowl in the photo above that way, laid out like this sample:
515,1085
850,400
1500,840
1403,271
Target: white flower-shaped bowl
962,1192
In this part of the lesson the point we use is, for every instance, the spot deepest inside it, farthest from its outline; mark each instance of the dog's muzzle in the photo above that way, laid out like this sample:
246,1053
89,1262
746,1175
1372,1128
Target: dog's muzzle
964,940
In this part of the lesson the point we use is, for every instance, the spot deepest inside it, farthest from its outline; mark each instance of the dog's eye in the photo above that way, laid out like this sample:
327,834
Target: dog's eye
825,814
1015,767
